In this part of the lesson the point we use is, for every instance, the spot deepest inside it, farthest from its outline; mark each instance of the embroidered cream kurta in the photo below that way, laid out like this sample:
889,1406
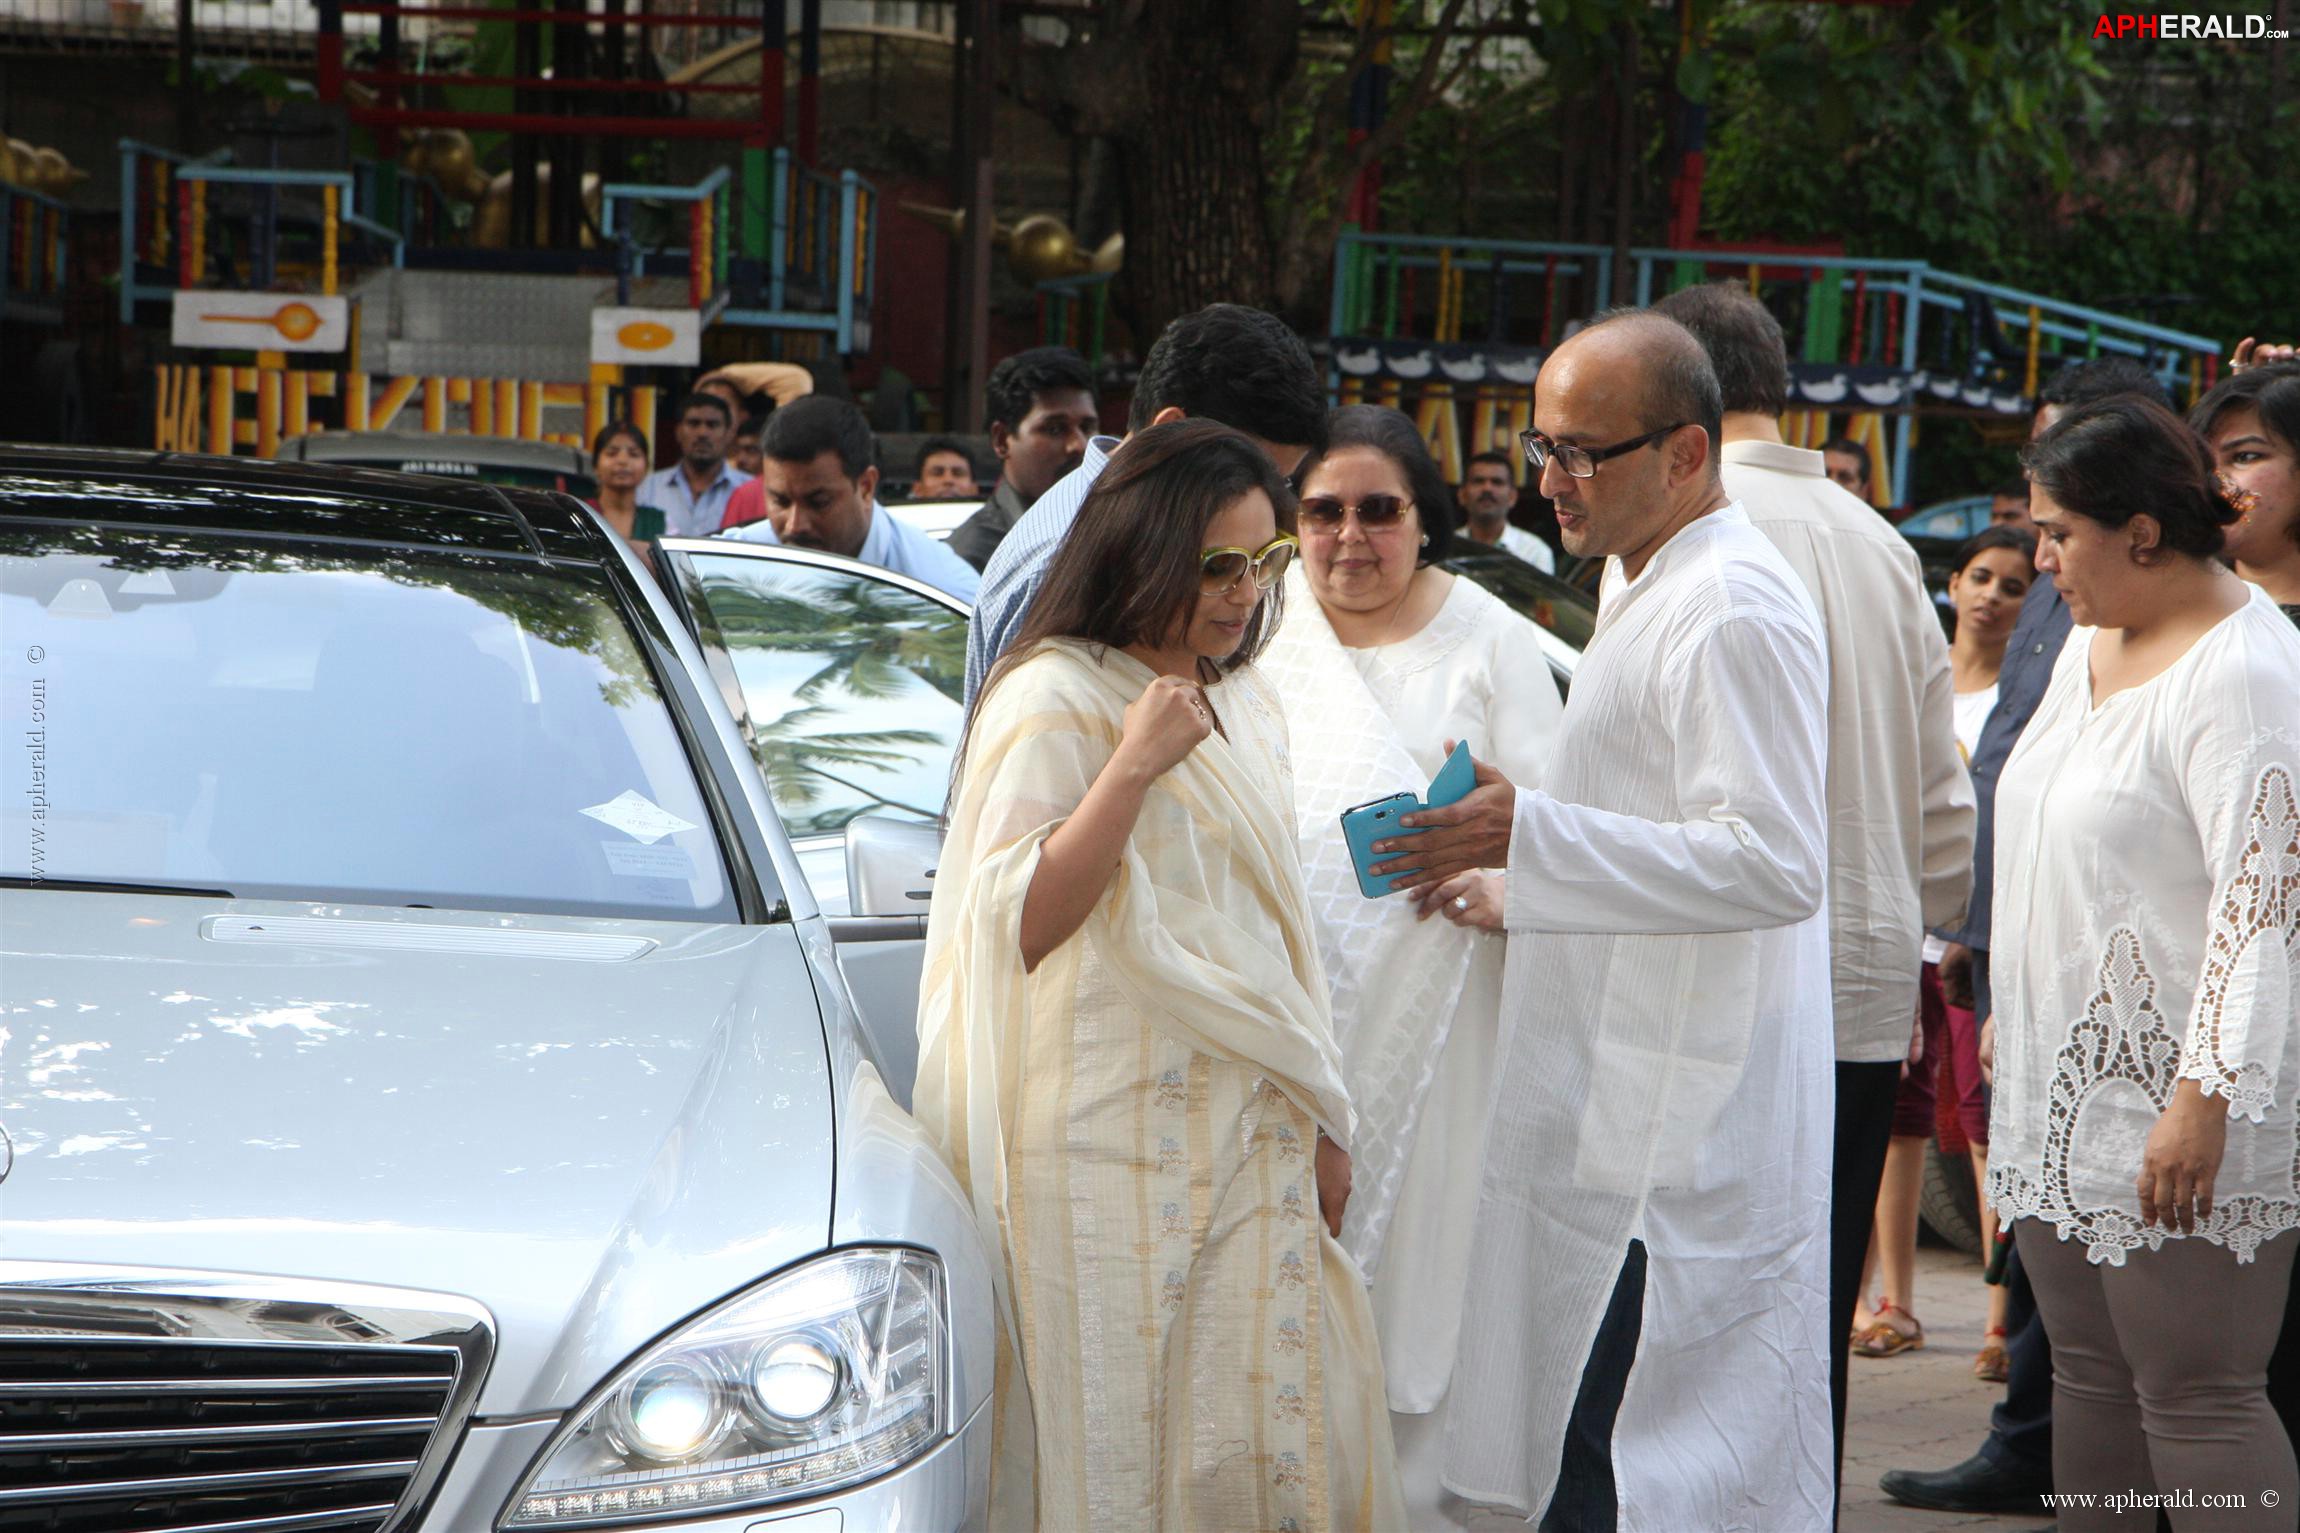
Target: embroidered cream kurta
1666,1067
1183,1346
2148,911
1417,1004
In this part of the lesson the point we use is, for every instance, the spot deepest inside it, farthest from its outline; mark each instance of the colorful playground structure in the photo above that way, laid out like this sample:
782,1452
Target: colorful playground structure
525,344
1435,324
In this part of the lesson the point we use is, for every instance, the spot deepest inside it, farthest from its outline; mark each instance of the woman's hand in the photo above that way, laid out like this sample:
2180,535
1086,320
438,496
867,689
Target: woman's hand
1077,862
1333,1173
2251,353
2182,1160
1165,724
1472,899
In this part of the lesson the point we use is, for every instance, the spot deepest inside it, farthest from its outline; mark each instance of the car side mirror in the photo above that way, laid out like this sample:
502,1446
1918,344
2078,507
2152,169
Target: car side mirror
890,865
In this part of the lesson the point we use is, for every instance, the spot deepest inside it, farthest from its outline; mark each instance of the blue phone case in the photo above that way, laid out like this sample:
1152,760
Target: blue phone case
1368,823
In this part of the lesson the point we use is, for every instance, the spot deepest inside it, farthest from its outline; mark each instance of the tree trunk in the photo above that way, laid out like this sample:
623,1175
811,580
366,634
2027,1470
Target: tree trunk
1196,229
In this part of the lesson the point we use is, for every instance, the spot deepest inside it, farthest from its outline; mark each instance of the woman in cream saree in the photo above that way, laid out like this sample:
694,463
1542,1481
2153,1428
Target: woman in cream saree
1136,1104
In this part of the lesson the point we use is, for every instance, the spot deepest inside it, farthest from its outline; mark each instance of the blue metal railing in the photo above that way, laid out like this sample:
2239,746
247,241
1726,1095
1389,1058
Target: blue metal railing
1376,277
166,225
710,208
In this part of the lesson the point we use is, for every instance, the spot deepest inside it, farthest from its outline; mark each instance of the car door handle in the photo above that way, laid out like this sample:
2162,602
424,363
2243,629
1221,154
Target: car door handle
922,894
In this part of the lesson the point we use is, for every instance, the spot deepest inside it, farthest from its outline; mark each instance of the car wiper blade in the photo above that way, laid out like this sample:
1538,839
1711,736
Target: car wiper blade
102,886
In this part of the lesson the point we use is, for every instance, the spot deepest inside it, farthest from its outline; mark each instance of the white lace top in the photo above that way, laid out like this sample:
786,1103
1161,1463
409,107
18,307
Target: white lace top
2148,932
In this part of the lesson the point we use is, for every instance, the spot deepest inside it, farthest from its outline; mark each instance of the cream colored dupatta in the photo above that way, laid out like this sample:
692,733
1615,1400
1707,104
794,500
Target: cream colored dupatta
1396,981
1202,950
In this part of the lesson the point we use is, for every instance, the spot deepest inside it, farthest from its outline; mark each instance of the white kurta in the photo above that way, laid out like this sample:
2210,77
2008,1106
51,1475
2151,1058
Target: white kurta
1473,673
1665,1069
1901,814
2148,906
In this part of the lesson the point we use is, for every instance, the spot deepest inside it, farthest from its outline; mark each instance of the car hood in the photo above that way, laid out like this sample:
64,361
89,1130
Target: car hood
592,1143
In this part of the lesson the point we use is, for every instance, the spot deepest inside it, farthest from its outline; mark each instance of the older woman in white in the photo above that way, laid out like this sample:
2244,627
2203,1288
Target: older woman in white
2143,1135
1383,661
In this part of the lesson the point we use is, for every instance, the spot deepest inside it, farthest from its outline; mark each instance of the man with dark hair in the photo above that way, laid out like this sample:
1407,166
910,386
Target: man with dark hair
2014,1464
2008,506
944,471
1227,363
820,490
1900,807
745,457
1648,1282
1847,462
1488,490
693,492
1041,416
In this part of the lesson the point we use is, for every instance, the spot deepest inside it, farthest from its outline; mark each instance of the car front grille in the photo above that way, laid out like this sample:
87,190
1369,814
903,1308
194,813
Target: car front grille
138,1411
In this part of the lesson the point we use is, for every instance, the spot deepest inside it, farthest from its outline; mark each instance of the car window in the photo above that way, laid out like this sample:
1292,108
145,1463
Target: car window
342,722
852,683
1957,521
1548,601
580,485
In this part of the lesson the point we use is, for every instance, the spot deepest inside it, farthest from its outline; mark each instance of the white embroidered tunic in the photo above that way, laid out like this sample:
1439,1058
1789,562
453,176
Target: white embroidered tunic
2148,912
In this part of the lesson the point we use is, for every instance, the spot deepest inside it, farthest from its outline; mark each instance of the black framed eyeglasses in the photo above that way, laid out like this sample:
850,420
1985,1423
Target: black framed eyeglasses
1581,462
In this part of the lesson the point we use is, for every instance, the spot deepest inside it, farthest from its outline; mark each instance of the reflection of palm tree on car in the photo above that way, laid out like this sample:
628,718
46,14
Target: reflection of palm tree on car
873,640
871,636
797,758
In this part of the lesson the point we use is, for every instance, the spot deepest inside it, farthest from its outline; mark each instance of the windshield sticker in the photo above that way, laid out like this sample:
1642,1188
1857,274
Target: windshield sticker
80,598
148,583
647,861
637,817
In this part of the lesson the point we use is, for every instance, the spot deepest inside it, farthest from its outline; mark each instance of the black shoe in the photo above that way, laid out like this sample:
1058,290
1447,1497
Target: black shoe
1979,1484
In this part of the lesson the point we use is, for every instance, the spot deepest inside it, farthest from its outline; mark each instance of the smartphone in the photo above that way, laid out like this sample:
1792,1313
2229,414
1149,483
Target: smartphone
1371,822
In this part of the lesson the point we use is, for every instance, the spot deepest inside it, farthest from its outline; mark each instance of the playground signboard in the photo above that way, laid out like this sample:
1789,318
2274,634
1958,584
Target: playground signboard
232,321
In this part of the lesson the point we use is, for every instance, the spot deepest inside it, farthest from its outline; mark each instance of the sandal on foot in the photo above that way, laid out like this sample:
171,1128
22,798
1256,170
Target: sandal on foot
1992,1365
1885,1339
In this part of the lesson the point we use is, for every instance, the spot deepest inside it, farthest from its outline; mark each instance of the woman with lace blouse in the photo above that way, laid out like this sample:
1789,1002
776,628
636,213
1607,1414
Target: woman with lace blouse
2143,1132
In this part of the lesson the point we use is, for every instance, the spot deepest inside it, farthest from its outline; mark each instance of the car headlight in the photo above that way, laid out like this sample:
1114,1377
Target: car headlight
830,1374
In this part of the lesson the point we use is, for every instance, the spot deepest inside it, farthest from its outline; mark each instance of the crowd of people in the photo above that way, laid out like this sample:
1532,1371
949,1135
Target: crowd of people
806,470
1569,1178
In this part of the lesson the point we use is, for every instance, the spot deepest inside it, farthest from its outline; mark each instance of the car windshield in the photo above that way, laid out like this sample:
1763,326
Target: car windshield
343,722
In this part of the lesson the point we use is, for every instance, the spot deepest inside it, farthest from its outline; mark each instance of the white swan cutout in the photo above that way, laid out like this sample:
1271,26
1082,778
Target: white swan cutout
1358,364
1417,365
1522,371
1823,393
1470,370
1886,393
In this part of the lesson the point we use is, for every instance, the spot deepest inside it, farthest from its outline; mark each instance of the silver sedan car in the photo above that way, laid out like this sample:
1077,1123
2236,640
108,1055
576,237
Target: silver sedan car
432,1097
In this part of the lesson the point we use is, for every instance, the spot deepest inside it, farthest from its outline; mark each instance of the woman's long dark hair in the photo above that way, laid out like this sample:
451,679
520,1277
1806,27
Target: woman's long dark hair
1127,572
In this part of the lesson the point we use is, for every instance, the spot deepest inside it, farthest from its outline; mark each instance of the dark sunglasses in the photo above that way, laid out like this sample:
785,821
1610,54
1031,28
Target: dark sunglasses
1325,512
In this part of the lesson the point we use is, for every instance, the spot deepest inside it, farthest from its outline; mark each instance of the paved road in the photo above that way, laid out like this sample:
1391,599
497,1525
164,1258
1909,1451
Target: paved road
1923,1409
